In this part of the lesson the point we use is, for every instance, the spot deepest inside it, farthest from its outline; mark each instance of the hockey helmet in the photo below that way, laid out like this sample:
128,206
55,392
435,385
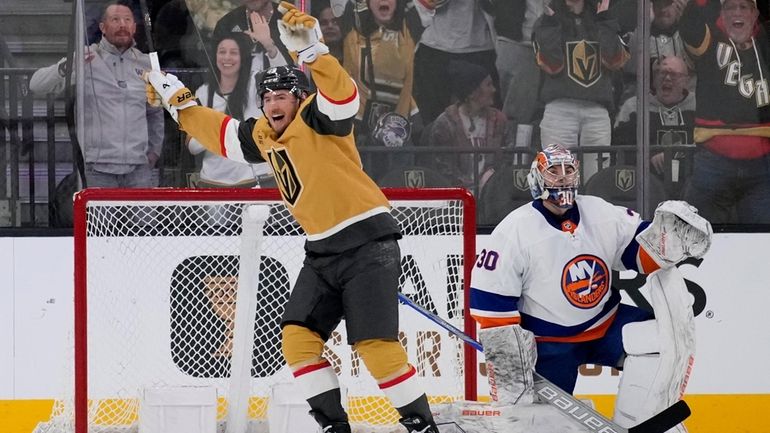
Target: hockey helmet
547,182
289,78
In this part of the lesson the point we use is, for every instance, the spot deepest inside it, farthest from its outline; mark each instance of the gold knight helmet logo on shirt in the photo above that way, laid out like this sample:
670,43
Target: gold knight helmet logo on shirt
584,62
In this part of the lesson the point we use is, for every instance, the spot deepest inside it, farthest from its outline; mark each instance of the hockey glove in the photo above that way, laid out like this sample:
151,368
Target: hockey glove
172,93
300,33
677,232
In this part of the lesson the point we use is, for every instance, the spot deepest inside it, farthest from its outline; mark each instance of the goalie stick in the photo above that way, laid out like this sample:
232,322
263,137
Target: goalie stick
567,404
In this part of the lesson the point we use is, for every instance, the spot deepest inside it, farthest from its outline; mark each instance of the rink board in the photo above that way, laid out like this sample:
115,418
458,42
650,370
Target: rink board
733,413
729,390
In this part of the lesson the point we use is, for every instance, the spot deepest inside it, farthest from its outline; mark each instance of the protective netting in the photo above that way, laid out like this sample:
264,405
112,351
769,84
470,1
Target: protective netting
160,289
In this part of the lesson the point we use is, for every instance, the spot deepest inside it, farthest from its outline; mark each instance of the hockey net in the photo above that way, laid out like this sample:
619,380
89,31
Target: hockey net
156,273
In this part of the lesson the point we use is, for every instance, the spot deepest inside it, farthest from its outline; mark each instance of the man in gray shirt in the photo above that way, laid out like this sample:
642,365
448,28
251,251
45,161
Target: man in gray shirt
123,134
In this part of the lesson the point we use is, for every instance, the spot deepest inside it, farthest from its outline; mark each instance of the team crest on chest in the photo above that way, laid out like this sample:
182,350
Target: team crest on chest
585,280
584,62
285,175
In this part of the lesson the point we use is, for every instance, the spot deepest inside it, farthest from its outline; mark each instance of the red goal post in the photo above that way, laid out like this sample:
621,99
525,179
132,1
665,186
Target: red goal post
122,239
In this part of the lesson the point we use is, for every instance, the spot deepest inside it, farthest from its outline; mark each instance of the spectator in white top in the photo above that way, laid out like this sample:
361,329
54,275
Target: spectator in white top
230,88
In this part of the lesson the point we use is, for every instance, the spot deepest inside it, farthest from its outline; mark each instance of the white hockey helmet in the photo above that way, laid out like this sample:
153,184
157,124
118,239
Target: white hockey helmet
547,182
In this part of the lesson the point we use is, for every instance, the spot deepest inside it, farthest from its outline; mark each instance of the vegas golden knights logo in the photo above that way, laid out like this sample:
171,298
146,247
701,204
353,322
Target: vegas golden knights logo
584,62
285,175
625,179
414,178
520,179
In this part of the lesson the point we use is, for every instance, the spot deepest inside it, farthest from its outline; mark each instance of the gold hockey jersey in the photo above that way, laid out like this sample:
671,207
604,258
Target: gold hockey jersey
393,63
316,164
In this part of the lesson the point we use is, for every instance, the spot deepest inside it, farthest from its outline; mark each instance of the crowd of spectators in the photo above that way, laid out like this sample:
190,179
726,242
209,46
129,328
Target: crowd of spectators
482,84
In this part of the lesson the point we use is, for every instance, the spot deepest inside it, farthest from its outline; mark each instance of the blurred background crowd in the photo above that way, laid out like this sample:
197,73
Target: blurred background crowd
661,99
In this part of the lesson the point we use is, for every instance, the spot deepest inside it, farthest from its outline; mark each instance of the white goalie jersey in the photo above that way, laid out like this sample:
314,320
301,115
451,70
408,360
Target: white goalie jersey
554,276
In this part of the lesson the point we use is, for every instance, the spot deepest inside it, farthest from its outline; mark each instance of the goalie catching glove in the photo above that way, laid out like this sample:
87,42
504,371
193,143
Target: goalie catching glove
300,33
677,232
171,92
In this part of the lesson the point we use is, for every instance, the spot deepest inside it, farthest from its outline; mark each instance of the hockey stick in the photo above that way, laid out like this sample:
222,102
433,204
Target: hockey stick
154,62
565,402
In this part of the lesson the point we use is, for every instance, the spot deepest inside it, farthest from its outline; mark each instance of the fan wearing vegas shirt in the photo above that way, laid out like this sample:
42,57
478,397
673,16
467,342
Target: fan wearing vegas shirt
731,166
547,270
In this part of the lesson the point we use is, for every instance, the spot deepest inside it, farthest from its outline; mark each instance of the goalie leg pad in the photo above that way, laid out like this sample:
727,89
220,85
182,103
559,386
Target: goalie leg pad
640,369
510,354
660,352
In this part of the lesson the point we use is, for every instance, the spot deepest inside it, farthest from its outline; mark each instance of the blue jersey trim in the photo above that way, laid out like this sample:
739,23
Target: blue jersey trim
572,214
544,328
486,301
632,250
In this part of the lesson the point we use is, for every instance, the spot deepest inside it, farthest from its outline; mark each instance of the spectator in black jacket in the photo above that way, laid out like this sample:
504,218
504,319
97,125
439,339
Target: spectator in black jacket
731,173
577,44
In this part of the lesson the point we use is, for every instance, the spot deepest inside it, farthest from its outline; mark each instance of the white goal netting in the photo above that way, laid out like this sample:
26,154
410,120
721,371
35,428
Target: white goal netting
156,278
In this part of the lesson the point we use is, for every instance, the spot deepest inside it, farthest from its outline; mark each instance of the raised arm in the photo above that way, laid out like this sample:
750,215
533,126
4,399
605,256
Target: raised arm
615,53
547,38
337,95
694,25
216,131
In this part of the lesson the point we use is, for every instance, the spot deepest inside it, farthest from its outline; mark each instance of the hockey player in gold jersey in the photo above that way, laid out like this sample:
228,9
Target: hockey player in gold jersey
352,260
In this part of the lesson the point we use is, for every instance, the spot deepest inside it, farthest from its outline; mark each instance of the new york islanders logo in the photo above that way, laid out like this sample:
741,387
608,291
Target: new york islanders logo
585,280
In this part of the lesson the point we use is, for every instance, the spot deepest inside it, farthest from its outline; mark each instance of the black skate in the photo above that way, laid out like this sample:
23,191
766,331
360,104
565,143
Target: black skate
415,424
328,426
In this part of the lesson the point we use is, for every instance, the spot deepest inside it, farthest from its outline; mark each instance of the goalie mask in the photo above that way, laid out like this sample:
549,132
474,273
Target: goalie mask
554,176
288,78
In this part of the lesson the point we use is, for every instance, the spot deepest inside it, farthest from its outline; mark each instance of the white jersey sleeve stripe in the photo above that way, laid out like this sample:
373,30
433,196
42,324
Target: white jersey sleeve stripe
229,143
341,109
503,314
